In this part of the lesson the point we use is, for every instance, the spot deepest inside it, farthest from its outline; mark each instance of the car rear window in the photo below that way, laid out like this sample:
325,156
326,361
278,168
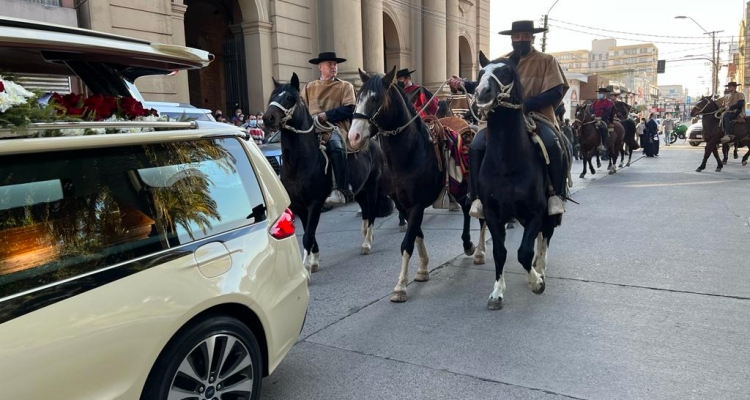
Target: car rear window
68,213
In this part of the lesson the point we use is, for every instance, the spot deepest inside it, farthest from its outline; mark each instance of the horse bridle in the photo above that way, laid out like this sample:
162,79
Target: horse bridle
381,131
503,93
581,122
288,113
709,100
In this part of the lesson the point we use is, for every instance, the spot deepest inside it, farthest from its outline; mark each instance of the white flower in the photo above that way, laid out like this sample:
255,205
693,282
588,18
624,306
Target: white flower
13,95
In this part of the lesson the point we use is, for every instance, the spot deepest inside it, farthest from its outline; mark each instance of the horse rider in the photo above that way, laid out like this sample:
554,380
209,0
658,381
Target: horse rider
604,111
417,94
332,100
734,101
544,86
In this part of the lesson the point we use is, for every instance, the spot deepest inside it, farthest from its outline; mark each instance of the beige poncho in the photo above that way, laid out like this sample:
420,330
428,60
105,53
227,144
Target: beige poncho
321,96
540,72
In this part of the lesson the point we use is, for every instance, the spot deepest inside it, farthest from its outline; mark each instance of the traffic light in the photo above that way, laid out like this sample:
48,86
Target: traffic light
660,66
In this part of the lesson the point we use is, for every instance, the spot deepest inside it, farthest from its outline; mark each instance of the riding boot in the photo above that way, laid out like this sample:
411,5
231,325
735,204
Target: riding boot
603,132
337,155
556,171
476,155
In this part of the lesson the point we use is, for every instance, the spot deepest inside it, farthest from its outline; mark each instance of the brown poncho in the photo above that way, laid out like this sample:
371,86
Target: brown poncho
539,73
321,96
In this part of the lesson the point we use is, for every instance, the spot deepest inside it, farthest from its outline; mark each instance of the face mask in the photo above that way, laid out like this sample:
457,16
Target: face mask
253,123
599,96
401,85
521,48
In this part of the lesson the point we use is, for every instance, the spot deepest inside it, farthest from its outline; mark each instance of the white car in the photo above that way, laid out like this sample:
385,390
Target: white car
139,265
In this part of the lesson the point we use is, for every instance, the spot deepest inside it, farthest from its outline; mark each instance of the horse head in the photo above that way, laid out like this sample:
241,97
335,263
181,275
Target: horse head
704,106
499,85
285,107
622,109
583,114
444,109
377,102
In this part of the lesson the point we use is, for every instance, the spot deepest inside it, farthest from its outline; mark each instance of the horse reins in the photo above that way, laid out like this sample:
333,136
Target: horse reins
383,132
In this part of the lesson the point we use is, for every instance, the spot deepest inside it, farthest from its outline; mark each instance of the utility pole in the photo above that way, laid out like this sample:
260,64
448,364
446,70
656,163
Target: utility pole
544,35
714,60
718,63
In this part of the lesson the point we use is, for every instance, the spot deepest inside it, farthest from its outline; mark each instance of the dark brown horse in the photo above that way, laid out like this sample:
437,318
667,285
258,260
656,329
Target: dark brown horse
588,138
383,110
707,109
614,141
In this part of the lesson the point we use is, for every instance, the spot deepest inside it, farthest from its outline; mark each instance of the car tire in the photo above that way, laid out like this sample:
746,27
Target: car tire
695,144
187,350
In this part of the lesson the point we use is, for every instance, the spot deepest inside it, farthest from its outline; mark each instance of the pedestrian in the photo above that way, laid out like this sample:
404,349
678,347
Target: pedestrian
640,130
332,100
668,127
651,133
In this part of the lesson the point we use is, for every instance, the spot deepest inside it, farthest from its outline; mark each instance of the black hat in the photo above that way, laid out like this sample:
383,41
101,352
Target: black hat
731,84
603,90
327,56
404,73
522,26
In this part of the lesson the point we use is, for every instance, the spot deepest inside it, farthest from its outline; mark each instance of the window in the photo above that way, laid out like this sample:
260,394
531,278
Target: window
66,213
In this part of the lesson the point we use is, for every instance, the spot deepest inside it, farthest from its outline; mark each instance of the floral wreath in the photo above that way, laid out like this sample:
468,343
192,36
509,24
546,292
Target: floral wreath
20,107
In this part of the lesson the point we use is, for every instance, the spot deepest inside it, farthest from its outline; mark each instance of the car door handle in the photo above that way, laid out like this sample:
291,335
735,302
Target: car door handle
213,259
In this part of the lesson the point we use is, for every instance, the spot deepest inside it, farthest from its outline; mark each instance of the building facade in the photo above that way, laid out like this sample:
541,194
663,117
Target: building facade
634,66
257,40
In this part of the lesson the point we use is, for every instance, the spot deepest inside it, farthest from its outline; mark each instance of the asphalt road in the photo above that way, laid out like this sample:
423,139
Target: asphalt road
647,298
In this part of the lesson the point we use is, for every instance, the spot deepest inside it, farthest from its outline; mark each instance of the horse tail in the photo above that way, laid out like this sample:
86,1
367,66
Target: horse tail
384,203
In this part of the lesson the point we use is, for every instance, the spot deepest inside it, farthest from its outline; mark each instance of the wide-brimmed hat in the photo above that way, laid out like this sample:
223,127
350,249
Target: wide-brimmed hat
327,56
404,73
731,84
603,90
522,26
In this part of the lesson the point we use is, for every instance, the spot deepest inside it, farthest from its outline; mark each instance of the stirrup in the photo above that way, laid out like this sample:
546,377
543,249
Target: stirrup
477,210
555,205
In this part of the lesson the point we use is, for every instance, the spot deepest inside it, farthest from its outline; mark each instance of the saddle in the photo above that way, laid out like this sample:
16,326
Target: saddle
451,137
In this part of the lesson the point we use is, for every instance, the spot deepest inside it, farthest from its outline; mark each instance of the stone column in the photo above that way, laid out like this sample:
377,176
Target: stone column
182,89
433,43
451,38
340,30
258,63
372,36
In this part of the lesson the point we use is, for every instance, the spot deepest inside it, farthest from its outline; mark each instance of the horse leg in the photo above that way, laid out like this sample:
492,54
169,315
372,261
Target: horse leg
526,254
719,163
598,161
306,245
706,154
369,210
736,150
499,253
469,247
416,214
725,152
612,160
423,274
586,158
630,157
542,245
622,157
481,247
402,216
312,225
591,165
744,158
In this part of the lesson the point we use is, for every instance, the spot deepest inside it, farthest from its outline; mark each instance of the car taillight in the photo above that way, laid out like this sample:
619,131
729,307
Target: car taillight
284,226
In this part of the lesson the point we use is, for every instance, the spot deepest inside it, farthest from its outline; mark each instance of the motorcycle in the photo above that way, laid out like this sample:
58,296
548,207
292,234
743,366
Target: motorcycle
678,132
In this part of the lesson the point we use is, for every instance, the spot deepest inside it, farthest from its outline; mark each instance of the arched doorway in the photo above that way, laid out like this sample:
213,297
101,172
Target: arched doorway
391,43
465,58
215,26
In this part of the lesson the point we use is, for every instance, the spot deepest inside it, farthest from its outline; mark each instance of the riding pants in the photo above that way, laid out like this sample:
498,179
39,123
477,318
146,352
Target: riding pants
337,153
557,167
476,155
729,117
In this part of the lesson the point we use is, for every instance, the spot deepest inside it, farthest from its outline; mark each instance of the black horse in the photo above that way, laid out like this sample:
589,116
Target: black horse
622,111
383,109
513,176
306,172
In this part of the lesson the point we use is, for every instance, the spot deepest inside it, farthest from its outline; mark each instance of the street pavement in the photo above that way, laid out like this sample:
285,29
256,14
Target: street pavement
647,298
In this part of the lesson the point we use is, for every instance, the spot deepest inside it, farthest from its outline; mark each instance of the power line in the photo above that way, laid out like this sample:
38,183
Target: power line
634,33
624,38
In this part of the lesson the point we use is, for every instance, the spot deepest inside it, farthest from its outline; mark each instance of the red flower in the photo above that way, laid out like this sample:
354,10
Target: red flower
2,87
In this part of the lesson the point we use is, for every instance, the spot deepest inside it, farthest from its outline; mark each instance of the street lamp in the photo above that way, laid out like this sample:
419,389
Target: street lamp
714,52
544,35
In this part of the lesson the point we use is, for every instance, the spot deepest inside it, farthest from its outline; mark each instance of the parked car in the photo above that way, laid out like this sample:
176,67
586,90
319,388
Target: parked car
272,151
137,265
695,131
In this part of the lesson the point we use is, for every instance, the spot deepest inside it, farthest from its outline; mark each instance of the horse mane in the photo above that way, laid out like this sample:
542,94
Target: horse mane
301,106
375,84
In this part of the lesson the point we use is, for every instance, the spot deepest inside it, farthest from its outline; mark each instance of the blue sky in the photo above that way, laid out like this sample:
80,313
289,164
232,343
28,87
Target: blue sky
575,23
